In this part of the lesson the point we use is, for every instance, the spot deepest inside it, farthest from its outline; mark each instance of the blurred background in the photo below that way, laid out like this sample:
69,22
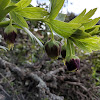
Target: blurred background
75,6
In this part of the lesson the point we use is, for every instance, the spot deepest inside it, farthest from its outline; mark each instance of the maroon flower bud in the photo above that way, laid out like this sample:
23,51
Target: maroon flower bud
53,49
63,51
10,34
73,63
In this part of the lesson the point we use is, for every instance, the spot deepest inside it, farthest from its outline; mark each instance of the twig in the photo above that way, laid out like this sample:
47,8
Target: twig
4,91
78,84
9,85
51,74
20,73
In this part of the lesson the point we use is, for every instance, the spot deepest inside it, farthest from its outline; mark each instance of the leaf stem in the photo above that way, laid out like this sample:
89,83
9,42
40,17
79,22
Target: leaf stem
4,23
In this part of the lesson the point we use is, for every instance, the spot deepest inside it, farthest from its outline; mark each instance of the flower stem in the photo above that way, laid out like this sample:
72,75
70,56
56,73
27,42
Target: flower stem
52,36
10,20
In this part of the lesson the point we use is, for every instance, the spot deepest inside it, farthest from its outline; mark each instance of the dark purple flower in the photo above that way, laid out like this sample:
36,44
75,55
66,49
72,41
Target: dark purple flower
10,38
10,34
73,64
63,53
53,49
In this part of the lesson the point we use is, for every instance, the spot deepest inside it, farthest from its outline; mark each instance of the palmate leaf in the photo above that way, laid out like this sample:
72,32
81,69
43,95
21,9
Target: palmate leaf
88,15
18,19
15,1
22,4
87,23
88,44
55,7
84,18
80,34
3,4
5,11
90,23
62,28
79,17
32,12
93,30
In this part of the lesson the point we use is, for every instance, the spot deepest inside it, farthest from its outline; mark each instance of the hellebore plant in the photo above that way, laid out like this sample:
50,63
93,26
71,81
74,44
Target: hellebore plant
82,31
71,61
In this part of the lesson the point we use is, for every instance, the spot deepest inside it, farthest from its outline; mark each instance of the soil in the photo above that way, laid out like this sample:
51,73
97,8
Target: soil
46,80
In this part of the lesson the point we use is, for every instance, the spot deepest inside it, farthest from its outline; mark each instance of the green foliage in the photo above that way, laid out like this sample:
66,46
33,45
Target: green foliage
91,23
22,4
83,18
62,28
70,50
15,1
18,19
96,67
33,12
4,4
95,30
55,8
77,19
81,29
80,34
88,44
4,8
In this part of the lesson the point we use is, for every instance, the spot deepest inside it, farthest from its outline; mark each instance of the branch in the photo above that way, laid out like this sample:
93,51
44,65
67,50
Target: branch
43,89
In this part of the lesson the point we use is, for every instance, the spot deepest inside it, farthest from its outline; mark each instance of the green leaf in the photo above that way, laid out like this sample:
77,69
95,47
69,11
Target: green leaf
4,12
91,23
18,19
17,26
62,28
88,15
15,1
88,44
93,30
83,18
3,4
33,12
56,5
22,4
79,17
61,17
80,34
4,23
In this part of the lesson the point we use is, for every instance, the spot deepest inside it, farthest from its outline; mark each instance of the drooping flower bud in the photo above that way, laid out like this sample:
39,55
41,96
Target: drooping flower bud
63,51
10,34
53,49
72,63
